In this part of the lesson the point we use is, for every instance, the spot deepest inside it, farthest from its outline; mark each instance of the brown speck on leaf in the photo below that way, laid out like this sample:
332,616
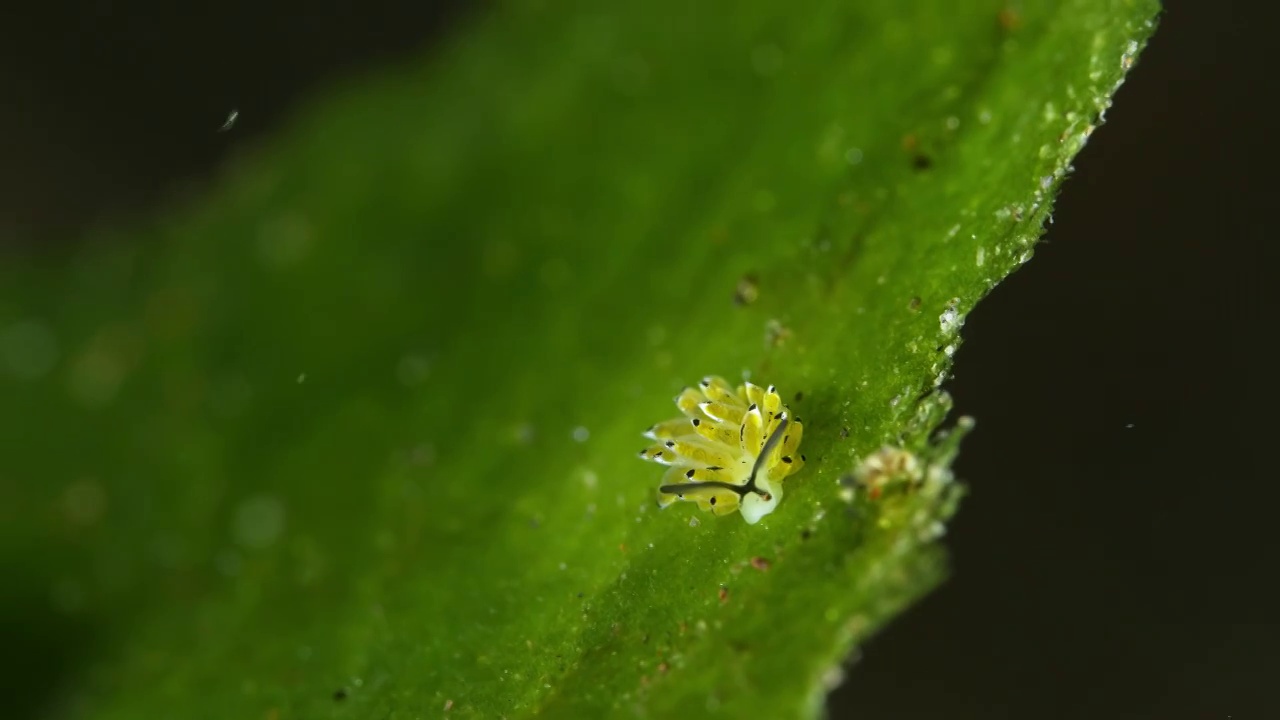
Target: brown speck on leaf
448,705
683,626
340,694
724,594
663,668
844,433
1009,19
911,145
760,563
747,291
799,396
644,681
914,305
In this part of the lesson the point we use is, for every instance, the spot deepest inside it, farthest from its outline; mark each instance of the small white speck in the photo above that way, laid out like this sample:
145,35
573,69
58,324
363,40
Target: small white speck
693,522
950,320
563,566
1128,425
230,121
302,378
580,434
953,122
589,479
853,156
982,256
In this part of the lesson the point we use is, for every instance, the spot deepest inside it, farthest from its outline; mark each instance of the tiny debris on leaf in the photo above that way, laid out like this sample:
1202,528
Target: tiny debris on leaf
747,291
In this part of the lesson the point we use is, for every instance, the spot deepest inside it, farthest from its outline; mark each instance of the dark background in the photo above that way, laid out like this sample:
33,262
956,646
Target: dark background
1115,555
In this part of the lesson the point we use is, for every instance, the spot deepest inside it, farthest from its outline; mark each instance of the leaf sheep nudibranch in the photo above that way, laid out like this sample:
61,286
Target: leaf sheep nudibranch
730,451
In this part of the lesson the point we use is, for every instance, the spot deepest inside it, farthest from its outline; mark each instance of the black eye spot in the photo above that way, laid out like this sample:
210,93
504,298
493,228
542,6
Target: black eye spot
786,459
671,443
802,457
712,500
753,407
696,422
715,467
689,474
767,497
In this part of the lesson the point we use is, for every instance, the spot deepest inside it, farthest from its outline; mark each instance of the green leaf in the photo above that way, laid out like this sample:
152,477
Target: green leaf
355,435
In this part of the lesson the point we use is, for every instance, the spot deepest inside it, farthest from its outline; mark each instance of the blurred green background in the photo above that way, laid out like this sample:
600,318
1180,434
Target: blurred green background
147,134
